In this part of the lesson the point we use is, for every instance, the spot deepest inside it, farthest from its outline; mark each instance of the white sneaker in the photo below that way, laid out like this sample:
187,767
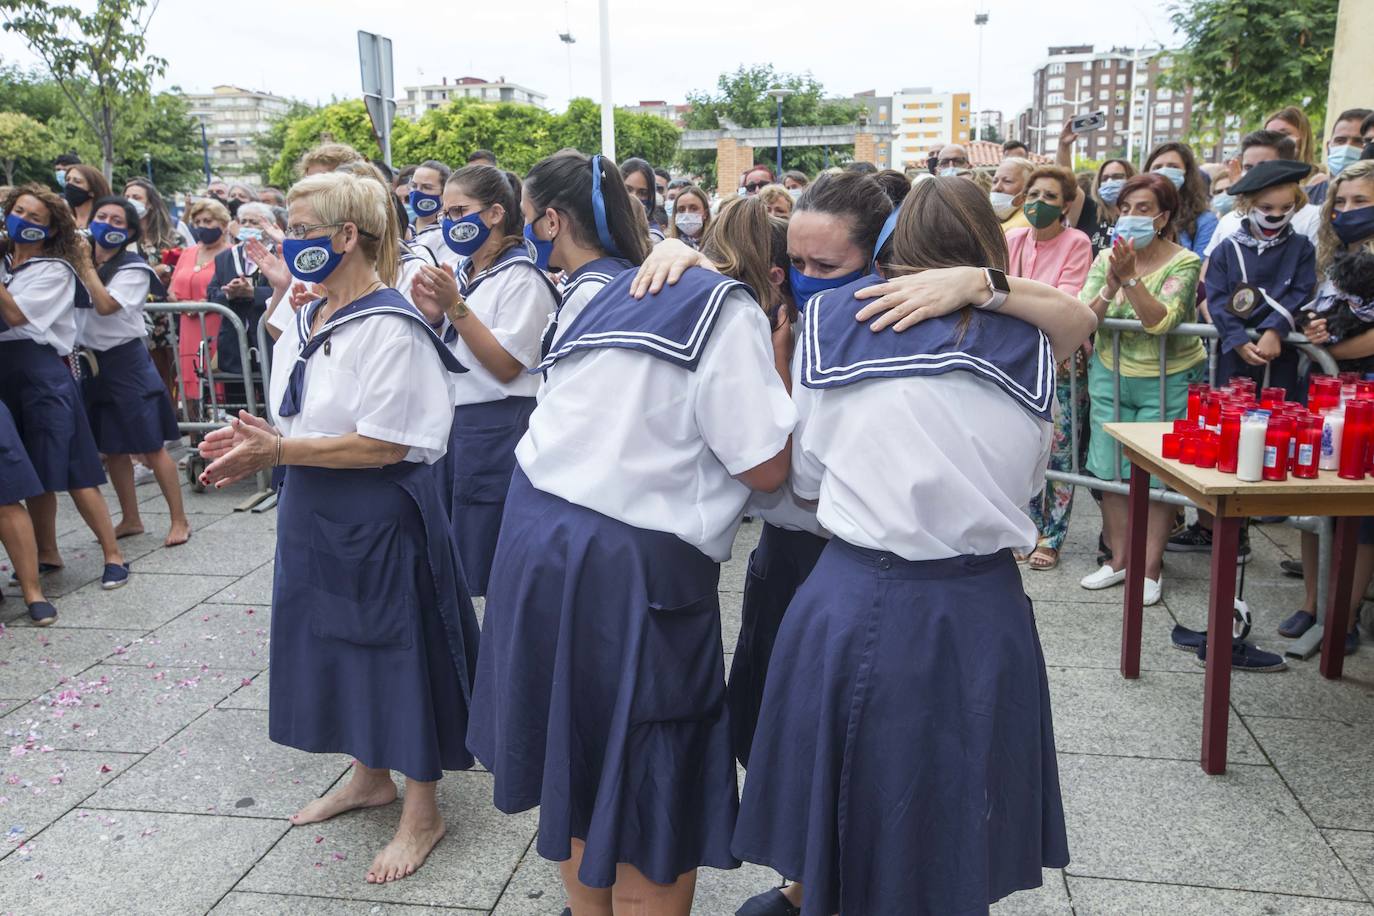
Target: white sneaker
143,474
1105,577
1154,590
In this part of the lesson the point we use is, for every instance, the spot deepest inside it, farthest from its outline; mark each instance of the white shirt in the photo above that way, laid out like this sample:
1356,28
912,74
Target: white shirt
45,292
128,287
381,378
515,304
432,239
1307,221
923,467
410,269
575,298
644,441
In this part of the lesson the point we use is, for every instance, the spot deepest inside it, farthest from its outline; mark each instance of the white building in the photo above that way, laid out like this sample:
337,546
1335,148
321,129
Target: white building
234,118
419,99
923,120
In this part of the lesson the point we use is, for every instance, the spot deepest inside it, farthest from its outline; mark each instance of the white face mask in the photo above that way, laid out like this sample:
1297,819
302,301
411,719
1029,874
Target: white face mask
1001,203
140,208
689,224
1271,222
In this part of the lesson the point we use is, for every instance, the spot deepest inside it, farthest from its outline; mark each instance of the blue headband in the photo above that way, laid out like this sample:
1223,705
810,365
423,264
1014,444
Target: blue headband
603,231
888,226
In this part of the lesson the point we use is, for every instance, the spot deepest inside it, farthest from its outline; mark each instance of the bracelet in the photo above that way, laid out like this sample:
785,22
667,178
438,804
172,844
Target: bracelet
458,311
277,461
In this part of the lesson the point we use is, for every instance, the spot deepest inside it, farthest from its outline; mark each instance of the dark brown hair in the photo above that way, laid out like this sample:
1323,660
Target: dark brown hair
64,240
1068,182
489,186
1166,195
849,195
95,180
1193,199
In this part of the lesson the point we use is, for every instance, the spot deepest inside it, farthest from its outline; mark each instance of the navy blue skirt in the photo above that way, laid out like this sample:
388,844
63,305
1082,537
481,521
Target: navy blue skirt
777,568
38,388
17,478
476,472
127,402
373,636
905,745
600,691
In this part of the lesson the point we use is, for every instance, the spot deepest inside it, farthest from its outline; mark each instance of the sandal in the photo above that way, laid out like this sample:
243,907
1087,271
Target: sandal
1043,559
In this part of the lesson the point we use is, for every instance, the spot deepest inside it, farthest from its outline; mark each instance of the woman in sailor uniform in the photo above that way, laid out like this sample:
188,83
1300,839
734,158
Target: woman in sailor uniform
600,694
497,336
427,200
906,731
373,636
40,285
126,402
19,482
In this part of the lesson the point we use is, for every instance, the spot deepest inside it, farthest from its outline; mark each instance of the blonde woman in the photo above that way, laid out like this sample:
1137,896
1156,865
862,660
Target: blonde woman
777,200
373,635
691,216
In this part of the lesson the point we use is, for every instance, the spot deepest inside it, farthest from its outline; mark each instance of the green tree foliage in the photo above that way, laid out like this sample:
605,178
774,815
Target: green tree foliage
342,122
741,99
1245,58
270,145
98,59
20,136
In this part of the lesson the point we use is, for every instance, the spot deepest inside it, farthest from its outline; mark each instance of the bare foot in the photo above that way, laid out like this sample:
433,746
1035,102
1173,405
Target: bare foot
406,852
126,528
180,534
359,793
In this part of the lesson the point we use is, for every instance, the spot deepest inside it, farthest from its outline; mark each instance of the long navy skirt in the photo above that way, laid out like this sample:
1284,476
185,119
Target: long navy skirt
127,402
18,481
777,568
600,691
476,471
373,636
905,743
38,388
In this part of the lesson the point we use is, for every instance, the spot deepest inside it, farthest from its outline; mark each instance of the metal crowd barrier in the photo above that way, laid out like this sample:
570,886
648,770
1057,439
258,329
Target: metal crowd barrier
206,416
1322,527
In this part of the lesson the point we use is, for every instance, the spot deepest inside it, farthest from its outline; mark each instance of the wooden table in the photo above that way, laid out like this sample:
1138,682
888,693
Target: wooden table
1231,500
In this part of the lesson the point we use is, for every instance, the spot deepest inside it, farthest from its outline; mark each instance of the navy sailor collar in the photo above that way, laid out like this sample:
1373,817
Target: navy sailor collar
1005,351
597,270
514,256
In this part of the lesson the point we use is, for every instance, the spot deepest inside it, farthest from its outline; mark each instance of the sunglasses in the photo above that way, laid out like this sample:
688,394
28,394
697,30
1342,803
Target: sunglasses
754,186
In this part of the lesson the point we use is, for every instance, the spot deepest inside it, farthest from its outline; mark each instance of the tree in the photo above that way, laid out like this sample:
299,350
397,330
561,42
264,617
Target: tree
162,135
270,145
20,135
637,135
1246,58
741,98
341,122
99,60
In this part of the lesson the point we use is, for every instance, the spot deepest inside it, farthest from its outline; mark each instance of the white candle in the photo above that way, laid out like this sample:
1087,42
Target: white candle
1250,457
1333,429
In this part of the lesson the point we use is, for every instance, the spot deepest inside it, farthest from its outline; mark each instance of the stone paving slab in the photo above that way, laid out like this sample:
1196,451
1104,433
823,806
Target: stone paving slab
1083,635
217,635
254,589
148,600
118,708
252,695
34,659
102,862
1115,898
217,551
1166,821
240,903
1356,849
224,763
39,786
1328,765
469,868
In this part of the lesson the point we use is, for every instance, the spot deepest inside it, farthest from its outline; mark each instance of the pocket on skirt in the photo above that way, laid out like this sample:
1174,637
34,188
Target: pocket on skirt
481,489
364,583
681,665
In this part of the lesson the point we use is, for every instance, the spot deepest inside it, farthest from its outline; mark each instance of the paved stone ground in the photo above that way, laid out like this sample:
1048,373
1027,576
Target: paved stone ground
139,777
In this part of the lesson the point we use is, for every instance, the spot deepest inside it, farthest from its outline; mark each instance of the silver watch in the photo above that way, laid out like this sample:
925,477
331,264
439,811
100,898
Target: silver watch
998,289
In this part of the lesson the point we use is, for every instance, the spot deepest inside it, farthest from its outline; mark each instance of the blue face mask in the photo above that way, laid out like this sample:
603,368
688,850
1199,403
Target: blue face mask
1110,190
1174,175
206,235
464,236
1223,203
310,260
1138,229
1340,156
410,213
950,172
1355,225
804,287
107,236
424,204
538,249
668,207
21,230
247,233
61,177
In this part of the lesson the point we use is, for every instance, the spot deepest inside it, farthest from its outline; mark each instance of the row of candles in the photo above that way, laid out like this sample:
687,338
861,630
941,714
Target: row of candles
1260,435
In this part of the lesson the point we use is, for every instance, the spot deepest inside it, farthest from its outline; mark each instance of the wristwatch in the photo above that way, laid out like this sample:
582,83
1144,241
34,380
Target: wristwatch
1131,283
998,289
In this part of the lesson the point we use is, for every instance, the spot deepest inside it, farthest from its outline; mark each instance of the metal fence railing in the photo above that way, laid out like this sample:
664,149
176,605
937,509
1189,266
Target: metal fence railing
1312,354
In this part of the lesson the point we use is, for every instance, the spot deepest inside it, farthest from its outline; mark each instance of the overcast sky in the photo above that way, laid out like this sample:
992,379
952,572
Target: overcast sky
308,48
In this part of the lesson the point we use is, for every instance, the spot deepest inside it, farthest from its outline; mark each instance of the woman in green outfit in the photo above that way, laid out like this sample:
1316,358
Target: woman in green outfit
1146,276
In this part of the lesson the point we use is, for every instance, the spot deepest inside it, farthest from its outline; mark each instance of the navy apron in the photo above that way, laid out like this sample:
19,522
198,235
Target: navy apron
18,481
600,694
37,386
126,402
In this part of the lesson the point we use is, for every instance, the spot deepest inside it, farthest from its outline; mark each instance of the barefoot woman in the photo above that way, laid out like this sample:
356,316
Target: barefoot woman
373,635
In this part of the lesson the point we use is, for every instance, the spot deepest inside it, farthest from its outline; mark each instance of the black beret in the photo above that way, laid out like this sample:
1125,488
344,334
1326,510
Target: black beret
1270,174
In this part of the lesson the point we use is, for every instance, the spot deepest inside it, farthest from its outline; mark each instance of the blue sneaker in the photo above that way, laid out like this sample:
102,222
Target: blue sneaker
1186,639
1245,657
1296,625
115,576
1352,642
42,613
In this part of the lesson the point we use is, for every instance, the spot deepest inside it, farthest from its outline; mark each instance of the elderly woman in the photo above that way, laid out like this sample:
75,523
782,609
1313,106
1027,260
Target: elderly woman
191,278
373,635
239,283
1009,191
1144,275
777,200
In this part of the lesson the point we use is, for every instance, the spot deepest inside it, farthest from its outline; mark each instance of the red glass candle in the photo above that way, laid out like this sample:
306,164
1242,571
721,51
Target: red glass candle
1187,450
1196,392
1349,378
1208,446
1214,405
1276,448
1173,444
1309,451
1272,397
1228,445
1184,426
1355,440
1364,391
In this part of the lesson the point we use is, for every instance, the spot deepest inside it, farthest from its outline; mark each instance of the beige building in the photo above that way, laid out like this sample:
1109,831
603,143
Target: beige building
419,99
234,118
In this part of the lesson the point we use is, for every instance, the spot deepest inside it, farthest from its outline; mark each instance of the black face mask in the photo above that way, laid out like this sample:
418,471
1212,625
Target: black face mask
75,196
233,206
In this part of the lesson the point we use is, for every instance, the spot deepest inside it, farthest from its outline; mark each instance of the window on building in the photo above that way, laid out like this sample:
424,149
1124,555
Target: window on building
1056,69
1163,93
1104,94
1121,79
1161,108
1055,114
1119,110
1055,83
1178,107
1105,78
1055,98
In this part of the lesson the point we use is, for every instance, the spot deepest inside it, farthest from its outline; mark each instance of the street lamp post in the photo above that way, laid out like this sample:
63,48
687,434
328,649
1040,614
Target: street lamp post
148,164
607,108
979,20
779,94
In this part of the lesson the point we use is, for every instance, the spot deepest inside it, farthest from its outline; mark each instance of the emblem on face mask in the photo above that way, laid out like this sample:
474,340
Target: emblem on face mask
311,259
463,232
115,238
425,205
32,235
531,250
